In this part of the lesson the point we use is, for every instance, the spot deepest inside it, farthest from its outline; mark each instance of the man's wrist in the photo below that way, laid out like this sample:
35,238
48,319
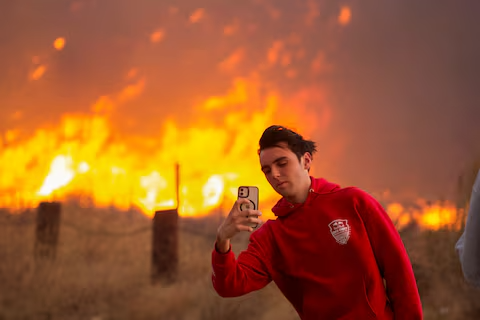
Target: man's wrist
220,237
222,245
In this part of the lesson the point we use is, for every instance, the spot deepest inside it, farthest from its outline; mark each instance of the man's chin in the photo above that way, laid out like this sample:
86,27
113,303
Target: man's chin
284,193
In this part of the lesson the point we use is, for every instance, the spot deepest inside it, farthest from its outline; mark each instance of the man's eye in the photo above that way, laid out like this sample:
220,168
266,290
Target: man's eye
282,164
266,171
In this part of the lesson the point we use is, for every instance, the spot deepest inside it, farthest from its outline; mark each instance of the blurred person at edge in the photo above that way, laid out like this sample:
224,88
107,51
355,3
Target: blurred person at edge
330,251
468,246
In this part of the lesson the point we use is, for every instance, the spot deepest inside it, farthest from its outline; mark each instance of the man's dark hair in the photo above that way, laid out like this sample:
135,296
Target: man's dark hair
274,135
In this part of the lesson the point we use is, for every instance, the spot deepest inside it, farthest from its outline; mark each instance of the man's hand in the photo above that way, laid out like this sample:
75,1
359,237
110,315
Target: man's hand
236,222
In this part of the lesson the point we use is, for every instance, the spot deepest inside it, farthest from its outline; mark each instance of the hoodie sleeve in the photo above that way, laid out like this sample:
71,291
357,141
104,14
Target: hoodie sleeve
235,277
392,259
468,246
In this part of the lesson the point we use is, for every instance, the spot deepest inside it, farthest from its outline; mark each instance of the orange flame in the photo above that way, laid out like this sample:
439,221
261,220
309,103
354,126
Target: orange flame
38,72
428,216
61,173
344,16
197,15
59,43
157,36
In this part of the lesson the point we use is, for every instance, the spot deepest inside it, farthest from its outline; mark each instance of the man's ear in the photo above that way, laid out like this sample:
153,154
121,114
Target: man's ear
307,161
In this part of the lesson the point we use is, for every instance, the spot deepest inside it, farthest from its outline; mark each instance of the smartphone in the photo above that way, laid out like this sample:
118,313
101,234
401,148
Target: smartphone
250,193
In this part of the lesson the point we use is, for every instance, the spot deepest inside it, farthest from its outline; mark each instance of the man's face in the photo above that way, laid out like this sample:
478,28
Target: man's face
285,173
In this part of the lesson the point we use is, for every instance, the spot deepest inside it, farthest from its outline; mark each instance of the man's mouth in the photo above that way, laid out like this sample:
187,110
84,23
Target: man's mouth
281,183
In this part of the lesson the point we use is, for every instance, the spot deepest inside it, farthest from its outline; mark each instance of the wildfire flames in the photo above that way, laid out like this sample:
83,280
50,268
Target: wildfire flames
83,157
86,157
431,216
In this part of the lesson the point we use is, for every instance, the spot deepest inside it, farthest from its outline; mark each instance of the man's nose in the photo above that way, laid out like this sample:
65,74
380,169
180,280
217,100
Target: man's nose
275,172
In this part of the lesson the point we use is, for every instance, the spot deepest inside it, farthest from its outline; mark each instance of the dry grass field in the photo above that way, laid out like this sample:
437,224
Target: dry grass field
103,271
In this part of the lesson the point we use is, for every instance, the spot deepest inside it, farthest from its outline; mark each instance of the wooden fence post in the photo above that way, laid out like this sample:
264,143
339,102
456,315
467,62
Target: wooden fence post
165,240
165,246
47,231
177,184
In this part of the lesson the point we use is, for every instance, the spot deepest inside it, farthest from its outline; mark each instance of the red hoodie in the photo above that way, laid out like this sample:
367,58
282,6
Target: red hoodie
329,257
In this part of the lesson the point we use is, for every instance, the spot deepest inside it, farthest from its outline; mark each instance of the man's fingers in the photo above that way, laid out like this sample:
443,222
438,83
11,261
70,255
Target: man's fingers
242,227
240,201
250,212
248,222
254,221
243,219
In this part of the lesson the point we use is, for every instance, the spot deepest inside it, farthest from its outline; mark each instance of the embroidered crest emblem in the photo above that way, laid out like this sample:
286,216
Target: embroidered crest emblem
340,230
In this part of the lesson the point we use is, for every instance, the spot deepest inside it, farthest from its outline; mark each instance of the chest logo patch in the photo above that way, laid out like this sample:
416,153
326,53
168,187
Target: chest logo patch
340,230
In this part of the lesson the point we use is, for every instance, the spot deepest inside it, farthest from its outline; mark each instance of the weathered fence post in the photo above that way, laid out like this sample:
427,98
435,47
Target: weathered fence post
165,246
47,231
177,184
165,240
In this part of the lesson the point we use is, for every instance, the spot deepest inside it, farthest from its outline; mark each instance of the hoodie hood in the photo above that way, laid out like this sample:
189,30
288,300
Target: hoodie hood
318,186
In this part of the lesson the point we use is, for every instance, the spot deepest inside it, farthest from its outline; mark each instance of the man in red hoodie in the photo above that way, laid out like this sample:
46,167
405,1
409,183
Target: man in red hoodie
333,252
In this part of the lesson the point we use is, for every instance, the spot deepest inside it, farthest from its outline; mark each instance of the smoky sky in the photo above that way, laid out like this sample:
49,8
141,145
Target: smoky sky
407,92
403,87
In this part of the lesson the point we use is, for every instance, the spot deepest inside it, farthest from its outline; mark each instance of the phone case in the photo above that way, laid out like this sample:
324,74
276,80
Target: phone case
250,193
